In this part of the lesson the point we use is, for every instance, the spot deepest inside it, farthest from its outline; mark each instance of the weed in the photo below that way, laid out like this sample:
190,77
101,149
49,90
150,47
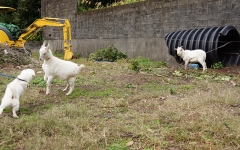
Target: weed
135,66
145,64
112,108
77,55
217,65
116,146
47,106
172,91
58,54
85,5
177,73
110,54
39,81
222,78
129,85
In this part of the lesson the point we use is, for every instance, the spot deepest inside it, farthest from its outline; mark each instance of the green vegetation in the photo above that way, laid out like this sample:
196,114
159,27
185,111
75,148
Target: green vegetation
27,9
85,5
114,108
145,64
217,65
16,22
39,81
110,54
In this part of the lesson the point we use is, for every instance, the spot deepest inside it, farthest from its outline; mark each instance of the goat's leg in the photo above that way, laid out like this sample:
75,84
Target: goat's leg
49,82
66,87
186,64
203,63
71,85
45,77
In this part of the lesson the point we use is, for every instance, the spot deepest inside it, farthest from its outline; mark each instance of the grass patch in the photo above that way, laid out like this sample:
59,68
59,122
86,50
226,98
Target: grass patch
113,107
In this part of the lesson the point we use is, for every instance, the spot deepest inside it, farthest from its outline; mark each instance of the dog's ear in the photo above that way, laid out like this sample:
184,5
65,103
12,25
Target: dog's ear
33,73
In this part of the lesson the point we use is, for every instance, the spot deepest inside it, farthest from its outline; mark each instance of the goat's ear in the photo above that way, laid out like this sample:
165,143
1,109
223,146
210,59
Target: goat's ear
175,49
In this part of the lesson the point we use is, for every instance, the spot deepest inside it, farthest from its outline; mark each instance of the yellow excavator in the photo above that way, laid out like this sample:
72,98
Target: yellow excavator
6,37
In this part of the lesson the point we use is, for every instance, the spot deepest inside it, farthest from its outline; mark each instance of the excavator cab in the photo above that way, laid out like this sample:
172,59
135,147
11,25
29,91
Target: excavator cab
10,34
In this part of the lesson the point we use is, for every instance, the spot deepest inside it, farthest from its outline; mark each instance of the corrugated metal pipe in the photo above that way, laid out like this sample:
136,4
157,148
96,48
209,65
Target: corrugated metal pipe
222,44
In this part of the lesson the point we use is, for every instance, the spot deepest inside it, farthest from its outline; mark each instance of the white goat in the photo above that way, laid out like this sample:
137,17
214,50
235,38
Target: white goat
55,67
197,55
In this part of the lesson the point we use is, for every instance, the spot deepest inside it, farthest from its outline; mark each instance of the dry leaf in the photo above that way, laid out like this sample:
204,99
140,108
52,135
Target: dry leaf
129,143
162,98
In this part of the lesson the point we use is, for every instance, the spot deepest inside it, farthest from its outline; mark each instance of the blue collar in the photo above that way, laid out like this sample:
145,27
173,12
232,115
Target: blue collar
21,79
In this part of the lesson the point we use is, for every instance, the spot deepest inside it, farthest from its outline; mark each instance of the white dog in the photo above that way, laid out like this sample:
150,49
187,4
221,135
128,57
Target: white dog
15,89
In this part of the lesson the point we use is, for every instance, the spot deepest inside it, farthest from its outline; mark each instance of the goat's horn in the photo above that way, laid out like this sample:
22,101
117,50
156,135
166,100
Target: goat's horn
44,43
48,46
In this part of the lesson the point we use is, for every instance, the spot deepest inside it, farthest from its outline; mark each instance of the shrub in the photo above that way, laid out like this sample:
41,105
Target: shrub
135,66
110,54
217,65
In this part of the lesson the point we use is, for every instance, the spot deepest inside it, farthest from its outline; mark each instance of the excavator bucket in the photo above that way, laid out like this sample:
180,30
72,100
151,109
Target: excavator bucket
68,55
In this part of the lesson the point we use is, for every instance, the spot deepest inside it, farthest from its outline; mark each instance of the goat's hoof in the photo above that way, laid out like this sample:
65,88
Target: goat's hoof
15,117
68,94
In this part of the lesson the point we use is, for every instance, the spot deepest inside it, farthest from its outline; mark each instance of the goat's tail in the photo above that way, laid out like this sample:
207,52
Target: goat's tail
81,67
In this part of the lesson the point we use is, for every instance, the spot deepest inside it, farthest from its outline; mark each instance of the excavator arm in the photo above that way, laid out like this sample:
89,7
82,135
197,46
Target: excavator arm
38,24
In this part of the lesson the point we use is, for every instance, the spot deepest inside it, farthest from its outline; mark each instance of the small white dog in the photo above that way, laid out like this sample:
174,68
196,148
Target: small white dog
15,89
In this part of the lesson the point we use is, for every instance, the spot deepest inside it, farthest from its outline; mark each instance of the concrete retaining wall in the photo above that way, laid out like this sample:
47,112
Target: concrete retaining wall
137,29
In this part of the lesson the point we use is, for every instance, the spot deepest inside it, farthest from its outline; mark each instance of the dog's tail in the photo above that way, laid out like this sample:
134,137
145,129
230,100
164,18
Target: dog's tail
81,67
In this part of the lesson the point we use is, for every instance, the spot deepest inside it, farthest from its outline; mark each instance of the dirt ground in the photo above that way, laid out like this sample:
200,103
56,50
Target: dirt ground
233,70
228,70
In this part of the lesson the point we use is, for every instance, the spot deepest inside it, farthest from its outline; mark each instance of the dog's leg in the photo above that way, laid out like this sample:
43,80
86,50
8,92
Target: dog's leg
16,105
1,110
2,107
49,82
71,84
6,102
